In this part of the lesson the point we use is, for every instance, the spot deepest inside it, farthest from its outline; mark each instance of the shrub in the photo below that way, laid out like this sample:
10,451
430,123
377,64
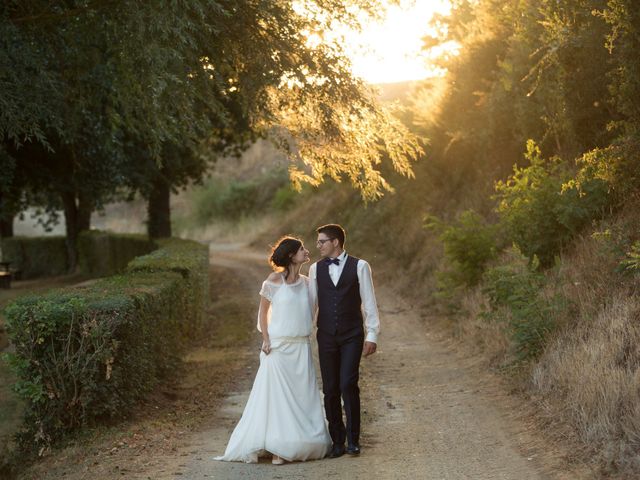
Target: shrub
632,261
517,287
87,354
239,198
99,253
191,260
36,256
284,198
469,244
104,253
615,168
542,206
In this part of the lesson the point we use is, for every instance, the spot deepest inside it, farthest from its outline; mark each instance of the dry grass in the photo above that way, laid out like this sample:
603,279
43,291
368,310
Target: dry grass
488,337
589,376
586,385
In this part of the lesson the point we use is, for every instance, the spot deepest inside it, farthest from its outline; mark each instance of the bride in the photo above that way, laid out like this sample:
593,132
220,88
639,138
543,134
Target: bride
283,415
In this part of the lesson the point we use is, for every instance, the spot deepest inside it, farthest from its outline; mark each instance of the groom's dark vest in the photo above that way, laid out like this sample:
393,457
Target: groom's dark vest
339,306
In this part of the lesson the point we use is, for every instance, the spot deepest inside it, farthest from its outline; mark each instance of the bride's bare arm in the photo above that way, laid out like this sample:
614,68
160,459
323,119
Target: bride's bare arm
264,308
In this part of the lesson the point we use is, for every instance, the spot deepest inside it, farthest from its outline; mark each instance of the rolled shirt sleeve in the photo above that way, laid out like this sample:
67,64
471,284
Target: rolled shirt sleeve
369,304
313,291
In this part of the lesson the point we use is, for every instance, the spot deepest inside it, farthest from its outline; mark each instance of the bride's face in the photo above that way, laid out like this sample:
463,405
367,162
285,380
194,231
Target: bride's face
301,256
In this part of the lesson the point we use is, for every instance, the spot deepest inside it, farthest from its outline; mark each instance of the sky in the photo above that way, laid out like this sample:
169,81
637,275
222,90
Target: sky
391,50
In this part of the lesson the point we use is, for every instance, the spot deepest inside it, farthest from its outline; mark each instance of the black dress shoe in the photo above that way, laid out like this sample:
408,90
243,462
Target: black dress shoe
336,451
353,449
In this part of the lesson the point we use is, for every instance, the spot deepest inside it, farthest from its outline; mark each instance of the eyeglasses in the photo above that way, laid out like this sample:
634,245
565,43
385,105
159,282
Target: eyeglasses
322,241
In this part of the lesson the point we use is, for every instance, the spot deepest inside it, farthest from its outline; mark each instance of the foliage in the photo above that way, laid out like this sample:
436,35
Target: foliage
525,70
234,199
191,260
517,287
100,253
136,94
541,209
623,42
632,262
284,198
106,253
36,256
83,355
469,244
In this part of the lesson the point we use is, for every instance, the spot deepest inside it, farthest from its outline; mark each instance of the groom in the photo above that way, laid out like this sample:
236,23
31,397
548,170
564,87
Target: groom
343,291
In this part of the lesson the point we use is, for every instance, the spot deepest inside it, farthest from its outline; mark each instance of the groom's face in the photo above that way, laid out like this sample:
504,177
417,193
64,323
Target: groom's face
328,246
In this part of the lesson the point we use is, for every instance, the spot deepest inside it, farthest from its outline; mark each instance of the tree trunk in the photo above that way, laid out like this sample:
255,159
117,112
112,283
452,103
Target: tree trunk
6,227
71,219
85,209
159,209
6,221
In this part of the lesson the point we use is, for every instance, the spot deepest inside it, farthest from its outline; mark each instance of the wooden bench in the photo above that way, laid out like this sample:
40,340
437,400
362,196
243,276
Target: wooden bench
7,274
5,279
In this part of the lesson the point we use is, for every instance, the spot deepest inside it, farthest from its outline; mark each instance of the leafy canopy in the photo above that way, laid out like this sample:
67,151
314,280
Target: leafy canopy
118,81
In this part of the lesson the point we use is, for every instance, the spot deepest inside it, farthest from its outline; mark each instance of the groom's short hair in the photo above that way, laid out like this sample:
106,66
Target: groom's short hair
333,230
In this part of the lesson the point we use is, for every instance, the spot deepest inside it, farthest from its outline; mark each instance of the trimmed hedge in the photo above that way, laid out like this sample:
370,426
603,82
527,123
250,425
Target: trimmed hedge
99,253
36,256
104,253
191,260
84,355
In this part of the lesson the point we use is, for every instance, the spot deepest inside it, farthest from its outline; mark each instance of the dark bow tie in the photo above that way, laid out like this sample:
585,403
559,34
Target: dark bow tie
329,261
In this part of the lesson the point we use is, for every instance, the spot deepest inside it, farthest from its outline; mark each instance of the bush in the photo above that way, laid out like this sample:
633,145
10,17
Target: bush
99,253
87,354
517,287
469,244
191,260
104,253
36,256
542,207
631,264
240,198
284,198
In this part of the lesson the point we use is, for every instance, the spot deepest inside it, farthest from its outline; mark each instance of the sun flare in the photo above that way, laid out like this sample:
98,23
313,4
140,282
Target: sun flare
390,50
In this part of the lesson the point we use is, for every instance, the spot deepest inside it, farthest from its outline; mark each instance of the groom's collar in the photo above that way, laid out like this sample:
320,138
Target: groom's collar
342,256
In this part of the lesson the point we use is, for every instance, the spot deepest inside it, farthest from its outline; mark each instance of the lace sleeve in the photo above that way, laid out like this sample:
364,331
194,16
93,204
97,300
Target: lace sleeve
268,290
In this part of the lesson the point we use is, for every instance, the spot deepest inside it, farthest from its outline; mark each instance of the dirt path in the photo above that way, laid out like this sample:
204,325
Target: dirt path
428,412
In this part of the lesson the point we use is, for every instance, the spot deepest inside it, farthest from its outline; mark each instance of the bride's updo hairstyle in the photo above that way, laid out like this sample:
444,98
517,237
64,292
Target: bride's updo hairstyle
283,251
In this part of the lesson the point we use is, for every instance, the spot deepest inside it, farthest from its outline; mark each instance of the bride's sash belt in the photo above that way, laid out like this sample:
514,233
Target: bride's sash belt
280,341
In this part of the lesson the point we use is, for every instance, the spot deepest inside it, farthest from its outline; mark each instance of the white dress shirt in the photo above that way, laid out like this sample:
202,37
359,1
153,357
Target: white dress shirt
367,294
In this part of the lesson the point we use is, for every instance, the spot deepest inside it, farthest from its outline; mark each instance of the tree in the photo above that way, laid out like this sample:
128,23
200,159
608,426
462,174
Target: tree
526,70
123,84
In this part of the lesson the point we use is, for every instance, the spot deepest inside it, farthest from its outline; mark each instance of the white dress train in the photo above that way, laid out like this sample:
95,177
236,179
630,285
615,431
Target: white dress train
284,414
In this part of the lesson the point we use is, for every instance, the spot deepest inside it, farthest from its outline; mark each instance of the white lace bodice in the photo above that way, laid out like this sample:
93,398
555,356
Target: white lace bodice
289,312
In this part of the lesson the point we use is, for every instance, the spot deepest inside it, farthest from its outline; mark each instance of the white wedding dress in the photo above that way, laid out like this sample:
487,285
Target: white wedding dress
284,414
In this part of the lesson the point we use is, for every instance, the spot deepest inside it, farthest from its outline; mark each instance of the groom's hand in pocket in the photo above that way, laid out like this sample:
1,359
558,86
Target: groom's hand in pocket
369,348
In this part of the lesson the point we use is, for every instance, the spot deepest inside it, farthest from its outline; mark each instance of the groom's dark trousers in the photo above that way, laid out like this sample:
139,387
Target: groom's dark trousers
340,341
339,366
